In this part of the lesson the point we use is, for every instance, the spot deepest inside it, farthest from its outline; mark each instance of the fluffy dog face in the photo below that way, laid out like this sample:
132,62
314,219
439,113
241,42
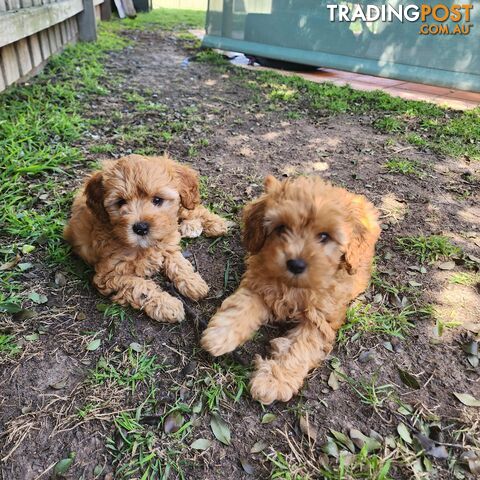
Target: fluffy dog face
139,197
302,231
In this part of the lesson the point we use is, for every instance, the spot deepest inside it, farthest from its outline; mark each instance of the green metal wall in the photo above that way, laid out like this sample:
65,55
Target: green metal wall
300,31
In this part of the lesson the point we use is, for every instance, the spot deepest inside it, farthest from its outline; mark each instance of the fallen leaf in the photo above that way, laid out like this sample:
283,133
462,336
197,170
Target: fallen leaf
60,279
360,440
97,470
388,346
24,314
344,440
136,347
258,447
94,345
473,360
307,428
412,283
10,264
471,348
173,422
408,379
330,448
62,466
446,266
333,381
246,466
33,337
220,429
268,418
201,444
59,385
27,249
404,433
10,307
467,399
37,298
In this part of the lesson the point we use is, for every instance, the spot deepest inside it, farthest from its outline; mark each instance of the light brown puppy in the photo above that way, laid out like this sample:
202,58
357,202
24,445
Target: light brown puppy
311,247
125,224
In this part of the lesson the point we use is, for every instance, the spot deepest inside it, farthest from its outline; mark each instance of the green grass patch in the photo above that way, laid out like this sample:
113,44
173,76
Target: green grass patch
166,19
429,248
363,319
465,278
365,465
38,124
102,148
227,381
129,370
403,166
8,345
138,452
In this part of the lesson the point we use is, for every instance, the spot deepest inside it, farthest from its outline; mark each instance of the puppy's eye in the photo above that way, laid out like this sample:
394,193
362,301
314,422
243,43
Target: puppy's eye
121,202
280,229
323,237
157,201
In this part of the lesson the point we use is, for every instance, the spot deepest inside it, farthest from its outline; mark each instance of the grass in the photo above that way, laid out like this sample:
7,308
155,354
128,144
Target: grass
138,452
227,381
465,278
8,345
129,370
166,19
429,248
366,319
403,166
368,391
38,124
365,465
284,469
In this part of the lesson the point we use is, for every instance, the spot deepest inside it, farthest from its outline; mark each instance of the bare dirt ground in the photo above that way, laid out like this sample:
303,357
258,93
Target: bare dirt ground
50,402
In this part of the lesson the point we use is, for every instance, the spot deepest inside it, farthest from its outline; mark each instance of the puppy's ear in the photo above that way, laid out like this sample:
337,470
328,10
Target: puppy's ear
365,233
270,183
188,186
95,193
254,232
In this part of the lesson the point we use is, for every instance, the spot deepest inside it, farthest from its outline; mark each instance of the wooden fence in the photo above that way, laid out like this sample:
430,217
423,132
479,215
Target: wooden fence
33,30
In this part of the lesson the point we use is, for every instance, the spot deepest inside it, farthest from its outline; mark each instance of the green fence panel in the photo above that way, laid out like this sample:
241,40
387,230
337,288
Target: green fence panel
301,31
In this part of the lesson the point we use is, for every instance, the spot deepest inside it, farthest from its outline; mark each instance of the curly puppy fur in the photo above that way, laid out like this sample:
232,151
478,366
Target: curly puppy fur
124,223
310,248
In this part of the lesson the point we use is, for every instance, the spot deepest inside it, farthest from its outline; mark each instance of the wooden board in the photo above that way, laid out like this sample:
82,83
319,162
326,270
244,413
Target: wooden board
23,56
27,21
35,50
10,64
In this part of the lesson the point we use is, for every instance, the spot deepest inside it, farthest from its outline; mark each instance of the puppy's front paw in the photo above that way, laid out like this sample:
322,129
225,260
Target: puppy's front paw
218,227
219,339
193,287
165,308
191,228
268,384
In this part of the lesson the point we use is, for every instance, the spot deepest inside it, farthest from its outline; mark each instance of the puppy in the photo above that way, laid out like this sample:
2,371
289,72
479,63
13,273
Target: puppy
310,248
124,223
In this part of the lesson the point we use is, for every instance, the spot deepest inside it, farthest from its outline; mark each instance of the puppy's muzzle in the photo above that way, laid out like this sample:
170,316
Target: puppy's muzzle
141,228
296,266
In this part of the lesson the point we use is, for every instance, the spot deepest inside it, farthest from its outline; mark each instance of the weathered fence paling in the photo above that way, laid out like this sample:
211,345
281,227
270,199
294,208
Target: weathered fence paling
33,30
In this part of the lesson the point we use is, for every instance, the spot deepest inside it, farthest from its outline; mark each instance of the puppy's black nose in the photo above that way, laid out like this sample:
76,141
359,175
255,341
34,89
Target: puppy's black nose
296,265
140,228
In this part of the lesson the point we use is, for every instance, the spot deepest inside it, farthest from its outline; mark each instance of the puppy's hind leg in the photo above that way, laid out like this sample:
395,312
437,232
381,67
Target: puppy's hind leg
293,356
200,218
239,316
141,294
